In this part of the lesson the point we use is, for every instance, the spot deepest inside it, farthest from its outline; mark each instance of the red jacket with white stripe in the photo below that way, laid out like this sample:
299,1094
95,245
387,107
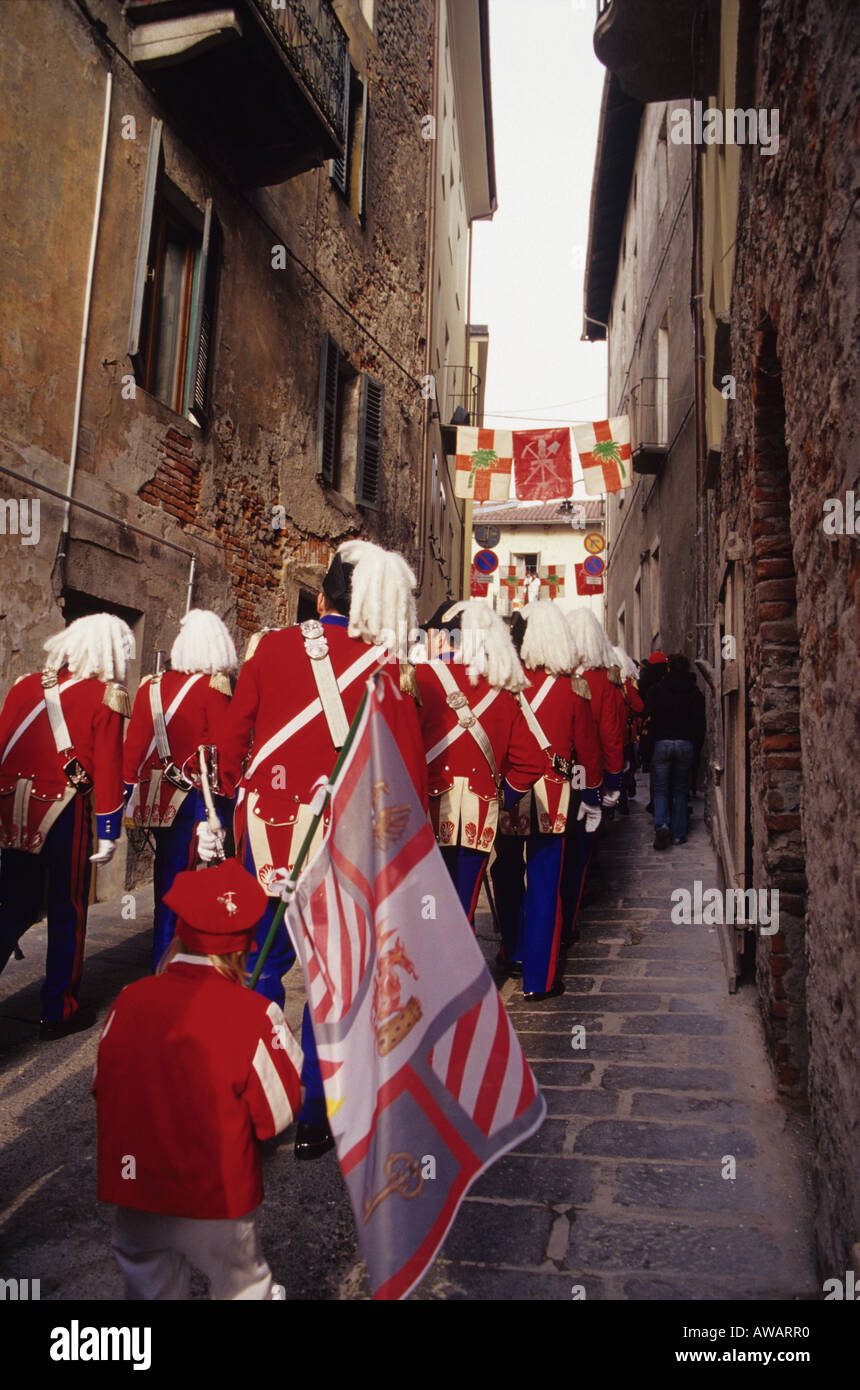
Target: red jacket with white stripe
519,759
96,733
192,1071
198,719
564,715
275,686
610,716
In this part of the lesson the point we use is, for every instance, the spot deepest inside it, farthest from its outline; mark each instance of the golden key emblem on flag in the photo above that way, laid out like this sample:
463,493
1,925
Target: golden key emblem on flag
229,905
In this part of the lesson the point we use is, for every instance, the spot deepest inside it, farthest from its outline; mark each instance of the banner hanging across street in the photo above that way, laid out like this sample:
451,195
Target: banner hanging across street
426,1082
604,452
543,468
484,463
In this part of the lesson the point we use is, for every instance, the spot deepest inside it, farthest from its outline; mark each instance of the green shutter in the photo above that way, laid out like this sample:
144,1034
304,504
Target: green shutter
327,410
368,473
339,168
200,326
150,186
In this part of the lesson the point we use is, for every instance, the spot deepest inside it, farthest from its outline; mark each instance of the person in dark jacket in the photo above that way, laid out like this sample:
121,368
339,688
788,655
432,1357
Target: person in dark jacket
675,715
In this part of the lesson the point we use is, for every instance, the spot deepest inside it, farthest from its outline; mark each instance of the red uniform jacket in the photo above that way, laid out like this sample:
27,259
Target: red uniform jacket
275,686
198,719
96,733
566,720
464,804
610,716
192,1070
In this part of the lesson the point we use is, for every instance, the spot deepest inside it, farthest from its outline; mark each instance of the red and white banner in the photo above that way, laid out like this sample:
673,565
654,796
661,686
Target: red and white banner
604,452
512,588
478,583
551,581
542,464
425,1079
484,463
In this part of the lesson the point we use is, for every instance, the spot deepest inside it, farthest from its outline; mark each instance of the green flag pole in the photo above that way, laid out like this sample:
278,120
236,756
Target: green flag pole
306,844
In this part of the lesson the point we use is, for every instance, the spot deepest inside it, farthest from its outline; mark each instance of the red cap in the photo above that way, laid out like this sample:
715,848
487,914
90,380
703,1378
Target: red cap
218,907
657,657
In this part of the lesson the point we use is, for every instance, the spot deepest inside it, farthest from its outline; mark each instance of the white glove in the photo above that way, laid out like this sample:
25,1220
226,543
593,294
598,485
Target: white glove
105,852
611,798
592,815
209,842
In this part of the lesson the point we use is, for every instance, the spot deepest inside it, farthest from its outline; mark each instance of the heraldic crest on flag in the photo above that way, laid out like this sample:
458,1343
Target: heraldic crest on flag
604,452
426,1082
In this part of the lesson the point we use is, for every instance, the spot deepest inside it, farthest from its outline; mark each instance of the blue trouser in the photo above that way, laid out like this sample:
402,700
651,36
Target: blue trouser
64,860
279,960
577,856
530,911
466,867
176,850
671,764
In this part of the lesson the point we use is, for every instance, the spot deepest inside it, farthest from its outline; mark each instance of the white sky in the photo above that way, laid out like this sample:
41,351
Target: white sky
528,264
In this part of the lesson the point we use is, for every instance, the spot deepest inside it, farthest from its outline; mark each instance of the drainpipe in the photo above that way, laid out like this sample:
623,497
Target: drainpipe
73,453
190,593
428,323
696,294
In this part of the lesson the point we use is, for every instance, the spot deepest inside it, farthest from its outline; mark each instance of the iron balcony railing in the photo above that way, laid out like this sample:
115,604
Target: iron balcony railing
460,386
317,47
649,412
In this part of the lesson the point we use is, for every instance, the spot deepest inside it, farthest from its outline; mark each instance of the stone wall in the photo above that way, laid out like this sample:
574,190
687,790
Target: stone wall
791,444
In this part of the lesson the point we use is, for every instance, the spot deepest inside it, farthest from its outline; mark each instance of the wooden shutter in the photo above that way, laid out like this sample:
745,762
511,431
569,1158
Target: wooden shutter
150,186
368,472
339,168
201,322
361,206
327,412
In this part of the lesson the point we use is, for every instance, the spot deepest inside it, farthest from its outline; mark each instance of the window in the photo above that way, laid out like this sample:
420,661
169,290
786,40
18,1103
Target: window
349,172
635,638
350,417
662,383
529,559
443,528
620,628
434,488
173,303
662,166
655,592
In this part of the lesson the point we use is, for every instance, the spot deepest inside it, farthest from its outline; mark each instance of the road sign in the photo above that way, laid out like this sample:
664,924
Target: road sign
594,565
486,562
478,585
488,536
594,543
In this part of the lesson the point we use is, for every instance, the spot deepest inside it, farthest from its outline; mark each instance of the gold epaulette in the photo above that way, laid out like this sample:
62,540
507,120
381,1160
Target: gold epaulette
221,682
614,674
581,687
116,698
409,681
254,641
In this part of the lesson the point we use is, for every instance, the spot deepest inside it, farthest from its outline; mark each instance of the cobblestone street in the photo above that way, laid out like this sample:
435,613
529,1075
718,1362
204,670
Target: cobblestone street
620,1192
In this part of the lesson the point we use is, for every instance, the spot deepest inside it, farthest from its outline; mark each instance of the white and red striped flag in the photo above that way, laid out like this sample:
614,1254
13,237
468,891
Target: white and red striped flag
426,1082
484,462
604,452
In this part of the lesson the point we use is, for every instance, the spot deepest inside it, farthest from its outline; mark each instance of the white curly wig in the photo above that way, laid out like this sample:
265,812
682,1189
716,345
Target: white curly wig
547,642
625,663
203,644
382,604
486,647
593,651
100,645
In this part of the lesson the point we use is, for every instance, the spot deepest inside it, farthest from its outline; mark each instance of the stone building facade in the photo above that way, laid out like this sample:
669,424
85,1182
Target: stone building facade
260,302
772,270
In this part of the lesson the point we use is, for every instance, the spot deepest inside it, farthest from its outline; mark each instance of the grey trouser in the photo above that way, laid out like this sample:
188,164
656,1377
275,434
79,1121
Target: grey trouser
156,1255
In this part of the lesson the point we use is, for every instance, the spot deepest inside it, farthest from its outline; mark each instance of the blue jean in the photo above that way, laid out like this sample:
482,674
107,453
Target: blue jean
671,764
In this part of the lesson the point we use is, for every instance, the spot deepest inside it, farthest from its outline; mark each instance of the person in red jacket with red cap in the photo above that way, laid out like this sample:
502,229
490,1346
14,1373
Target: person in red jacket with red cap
557,709
193,1071
174,713
480,752
60,759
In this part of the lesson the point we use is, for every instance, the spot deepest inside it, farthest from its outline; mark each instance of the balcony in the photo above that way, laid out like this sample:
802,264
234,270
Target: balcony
649,424
648,45
260,84
458,402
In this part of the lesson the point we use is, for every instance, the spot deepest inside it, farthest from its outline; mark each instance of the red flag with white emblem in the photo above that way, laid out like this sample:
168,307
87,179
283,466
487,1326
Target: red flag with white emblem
542,464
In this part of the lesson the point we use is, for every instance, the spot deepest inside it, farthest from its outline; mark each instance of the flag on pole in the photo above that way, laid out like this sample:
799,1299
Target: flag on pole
542,464
426,1083
484,463
604,452
551,581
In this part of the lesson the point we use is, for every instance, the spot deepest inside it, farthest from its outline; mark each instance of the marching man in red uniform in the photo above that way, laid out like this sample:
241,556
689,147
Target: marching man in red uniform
480,752
181,1162
557,709
174,713
60,752
296,695
596,664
